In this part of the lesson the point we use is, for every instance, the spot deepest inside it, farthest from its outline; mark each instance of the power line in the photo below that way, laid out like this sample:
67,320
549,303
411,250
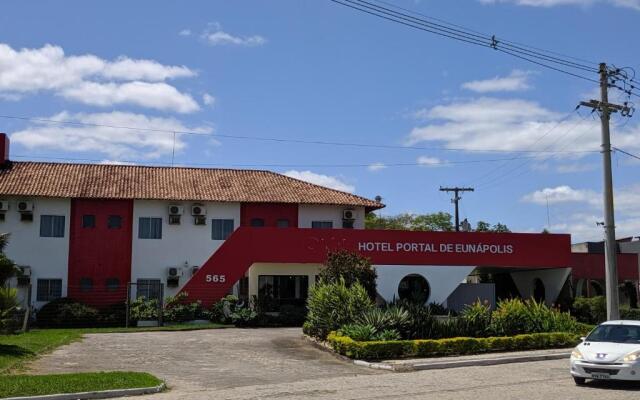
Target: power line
468,37
626,153
249,165
280,140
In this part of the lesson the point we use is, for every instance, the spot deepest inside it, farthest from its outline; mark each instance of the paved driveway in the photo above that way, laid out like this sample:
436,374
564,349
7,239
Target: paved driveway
200,360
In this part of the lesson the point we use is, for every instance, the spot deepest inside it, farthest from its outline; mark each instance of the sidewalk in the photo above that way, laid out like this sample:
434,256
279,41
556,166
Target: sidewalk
417,364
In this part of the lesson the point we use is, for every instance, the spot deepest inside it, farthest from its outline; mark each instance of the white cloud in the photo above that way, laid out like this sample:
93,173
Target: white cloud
92,80
582,224
633,4
376,167
560,194
208,99
322,180
429,161
215,36
185,32
157,95
115,162
516,81
487,123
114,143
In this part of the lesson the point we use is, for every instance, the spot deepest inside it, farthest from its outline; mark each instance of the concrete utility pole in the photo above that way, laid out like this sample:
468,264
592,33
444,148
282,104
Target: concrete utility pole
611,247
456,199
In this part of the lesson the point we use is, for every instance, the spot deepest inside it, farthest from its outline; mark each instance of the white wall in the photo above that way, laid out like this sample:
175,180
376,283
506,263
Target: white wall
552,279
311,212
48,257
180,244
443,280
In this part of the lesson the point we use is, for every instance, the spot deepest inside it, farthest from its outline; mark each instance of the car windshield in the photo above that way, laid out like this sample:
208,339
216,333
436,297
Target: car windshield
615,334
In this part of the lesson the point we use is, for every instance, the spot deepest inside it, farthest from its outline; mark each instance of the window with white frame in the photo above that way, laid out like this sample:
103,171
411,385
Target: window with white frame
150,228
48,289
221,229
52,226
148,288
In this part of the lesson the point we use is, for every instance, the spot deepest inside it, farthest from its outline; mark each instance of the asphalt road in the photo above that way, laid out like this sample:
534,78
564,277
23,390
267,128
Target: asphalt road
277,364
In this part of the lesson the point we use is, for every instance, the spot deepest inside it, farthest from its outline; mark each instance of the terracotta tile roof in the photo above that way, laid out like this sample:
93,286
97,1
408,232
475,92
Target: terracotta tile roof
44,179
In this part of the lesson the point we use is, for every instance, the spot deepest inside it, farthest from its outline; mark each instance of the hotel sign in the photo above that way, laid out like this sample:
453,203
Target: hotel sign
427,247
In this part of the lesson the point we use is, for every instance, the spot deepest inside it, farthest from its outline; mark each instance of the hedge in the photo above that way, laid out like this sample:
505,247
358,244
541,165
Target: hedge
376,350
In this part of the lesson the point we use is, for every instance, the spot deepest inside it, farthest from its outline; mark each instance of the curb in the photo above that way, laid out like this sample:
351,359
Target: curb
103,394
461,363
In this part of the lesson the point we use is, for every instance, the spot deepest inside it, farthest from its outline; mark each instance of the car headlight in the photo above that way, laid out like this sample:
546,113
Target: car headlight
632,357
576,355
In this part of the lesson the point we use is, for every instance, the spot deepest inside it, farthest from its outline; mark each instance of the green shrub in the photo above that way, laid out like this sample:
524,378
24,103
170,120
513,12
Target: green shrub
177,309
478,318
351,267
359,332
332,305
630,313
391,317
387,334
66,313
142,309
112,315
513,317
376,350
590,310
244,317
222,310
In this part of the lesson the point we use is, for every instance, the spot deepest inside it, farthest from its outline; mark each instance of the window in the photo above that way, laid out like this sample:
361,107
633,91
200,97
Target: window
86,284
52,226
88,221
322,224
113,284
26,216
148,288
282,223
49,289
277,290
114,222
414,288
150,228
1,216
221,228
257,222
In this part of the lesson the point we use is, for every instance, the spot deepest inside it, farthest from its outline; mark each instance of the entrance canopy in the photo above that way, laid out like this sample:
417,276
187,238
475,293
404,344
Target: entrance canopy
248,245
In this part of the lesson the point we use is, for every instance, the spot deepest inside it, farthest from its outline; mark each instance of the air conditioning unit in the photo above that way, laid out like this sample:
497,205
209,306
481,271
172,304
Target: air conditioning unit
4,205
198,210
176,210
348,215
25,206
174,272
24,275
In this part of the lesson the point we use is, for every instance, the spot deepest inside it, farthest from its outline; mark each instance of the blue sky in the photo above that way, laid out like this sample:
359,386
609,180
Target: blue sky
317,71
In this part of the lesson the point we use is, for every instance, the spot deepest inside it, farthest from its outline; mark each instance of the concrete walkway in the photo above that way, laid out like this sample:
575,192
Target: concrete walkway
202,360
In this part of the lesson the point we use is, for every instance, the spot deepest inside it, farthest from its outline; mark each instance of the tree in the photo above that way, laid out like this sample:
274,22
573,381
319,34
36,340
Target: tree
350,267
7,267
483,226
440,221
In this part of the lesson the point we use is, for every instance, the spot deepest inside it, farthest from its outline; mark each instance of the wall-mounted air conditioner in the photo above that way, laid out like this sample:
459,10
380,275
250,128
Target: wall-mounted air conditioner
25,206
348,214
176,210
198,210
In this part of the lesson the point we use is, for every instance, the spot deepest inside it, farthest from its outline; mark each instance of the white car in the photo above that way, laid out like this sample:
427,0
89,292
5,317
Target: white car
611,351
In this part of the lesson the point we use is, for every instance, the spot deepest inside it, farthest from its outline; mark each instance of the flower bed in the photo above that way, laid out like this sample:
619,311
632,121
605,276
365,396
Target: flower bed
377,350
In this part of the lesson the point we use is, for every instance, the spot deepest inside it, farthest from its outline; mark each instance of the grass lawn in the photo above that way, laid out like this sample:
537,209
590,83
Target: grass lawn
16,350
32,385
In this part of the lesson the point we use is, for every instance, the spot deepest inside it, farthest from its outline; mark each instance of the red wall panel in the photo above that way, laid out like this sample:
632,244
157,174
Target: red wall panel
591,266
100,253
269,212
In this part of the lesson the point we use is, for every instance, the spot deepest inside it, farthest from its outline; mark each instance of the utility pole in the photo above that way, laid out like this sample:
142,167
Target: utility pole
456,198
611,247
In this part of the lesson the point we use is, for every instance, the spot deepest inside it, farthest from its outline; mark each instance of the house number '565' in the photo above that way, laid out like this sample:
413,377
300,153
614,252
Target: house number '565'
216,278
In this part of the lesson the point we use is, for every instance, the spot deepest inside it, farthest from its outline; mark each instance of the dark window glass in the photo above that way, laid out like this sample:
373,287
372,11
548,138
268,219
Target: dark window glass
414,288
86,284
615,333
282,223
257,222
150,228
52,225
28,217
114,222
277,290
88,221
148,288
221,228
113,284
49,289
322,224
1,216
